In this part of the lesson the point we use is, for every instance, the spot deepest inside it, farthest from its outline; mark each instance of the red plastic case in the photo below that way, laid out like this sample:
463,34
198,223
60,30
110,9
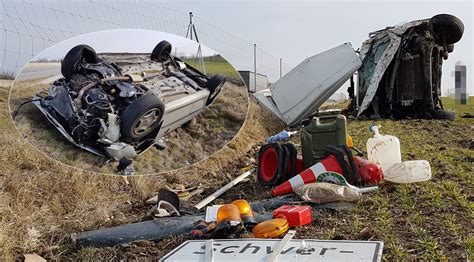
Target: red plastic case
296,215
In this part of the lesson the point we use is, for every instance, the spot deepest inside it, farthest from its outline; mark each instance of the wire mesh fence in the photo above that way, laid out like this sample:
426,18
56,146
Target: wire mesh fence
28,27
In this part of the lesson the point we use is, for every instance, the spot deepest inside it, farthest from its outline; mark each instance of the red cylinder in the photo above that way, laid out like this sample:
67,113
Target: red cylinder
368,171
268,164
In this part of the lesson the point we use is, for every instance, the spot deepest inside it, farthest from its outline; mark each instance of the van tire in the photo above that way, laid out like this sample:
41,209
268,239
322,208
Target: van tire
75,56
162,51
149,109
447,29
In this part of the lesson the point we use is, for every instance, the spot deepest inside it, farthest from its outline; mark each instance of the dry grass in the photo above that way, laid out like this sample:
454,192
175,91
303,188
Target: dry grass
43,201
7,75
212,130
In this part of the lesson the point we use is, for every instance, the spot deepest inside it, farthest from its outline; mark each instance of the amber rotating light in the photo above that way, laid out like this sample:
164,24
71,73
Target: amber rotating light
229,213
229,223
246,213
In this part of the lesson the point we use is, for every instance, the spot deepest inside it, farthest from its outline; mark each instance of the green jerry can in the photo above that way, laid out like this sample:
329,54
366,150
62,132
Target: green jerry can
319,133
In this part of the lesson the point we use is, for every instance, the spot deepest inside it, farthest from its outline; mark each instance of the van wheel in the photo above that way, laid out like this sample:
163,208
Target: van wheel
162,51
446,28
141,117
214,85
75,56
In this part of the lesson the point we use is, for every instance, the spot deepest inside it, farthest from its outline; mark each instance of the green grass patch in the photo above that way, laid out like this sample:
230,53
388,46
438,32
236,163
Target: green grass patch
216,66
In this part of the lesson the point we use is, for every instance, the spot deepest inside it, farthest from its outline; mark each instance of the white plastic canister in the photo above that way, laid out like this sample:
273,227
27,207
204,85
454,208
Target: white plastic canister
383,150
409,172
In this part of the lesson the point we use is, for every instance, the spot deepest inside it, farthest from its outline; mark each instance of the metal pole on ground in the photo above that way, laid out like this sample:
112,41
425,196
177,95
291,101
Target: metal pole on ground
255,66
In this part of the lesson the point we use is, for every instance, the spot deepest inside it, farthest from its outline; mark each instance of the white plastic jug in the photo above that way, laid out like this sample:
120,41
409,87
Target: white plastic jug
408,172
383,150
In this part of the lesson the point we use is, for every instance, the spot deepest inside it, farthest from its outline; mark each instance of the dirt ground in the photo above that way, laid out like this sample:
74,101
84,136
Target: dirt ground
211,130
43,202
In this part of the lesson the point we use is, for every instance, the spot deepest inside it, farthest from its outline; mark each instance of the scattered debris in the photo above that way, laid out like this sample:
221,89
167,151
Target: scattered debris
318,134
296,215
369,172
166,226
182,192
317,78
246,212
125,167
277,163
272,228
229,223
336,162
211,213
167,205
282,136
327,175
223,189
384,150
467,115
327,192
281,245
409,172
203,229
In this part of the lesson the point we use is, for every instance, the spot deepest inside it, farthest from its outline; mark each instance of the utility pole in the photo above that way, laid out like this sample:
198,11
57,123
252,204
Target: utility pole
189,34
255,66
281,61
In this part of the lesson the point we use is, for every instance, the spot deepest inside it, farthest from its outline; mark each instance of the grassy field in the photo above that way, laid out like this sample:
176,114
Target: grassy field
423,221
42,201
215,65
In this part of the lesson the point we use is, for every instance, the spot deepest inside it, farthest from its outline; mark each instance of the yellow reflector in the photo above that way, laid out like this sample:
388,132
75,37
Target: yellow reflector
349,141
270,228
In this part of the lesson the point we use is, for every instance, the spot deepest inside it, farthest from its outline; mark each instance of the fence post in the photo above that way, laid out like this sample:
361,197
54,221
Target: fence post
255,66
281,62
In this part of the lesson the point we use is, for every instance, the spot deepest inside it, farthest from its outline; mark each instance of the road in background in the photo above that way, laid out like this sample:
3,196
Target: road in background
39,70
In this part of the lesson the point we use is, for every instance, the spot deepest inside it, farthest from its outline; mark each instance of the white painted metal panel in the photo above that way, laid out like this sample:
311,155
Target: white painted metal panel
182,110
250,250
264,98
300,92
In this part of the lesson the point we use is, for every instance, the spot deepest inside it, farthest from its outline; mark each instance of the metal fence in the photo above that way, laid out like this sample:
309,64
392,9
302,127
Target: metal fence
28,27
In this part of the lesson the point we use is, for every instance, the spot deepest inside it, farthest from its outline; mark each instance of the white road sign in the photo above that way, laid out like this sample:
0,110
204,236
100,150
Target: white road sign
296,250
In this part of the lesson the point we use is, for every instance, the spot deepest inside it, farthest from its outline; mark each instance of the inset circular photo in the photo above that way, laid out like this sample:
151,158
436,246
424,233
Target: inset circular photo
128,102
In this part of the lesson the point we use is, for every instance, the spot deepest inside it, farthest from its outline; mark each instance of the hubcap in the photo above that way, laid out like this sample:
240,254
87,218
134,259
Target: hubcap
147,122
